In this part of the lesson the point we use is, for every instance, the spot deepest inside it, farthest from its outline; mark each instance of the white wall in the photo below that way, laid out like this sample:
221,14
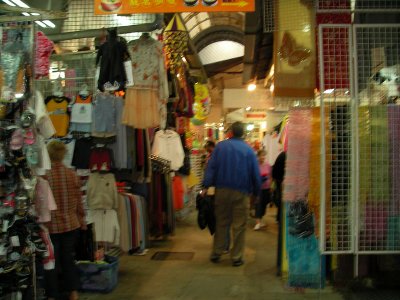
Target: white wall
242,98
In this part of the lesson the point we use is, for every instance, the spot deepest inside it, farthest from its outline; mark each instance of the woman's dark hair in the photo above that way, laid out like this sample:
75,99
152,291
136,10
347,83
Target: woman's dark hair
237,129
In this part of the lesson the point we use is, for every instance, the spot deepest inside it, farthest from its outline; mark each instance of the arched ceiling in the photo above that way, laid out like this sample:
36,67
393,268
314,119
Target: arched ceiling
224,40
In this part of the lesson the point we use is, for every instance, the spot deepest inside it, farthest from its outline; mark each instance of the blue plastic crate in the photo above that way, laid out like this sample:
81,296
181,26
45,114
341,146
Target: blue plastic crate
101,278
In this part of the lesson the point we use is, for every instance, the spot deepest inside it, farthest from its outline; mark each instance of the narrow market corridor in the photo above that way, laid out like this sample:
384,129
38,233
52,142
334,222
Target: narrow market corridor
140,277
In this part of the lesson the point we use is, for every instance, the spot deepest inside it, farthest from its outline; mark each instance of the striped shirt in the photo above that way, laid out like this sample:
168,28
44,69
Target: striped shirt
65,186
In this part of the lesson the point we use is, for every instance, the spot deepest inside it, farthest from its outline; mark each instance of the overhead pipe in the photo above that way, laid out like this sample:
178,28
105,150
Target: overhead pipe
90,33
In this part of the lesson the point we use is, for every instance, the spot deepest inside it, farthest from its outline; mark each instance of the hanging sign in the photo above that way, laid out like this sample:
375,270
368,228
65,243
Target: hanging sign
256,115
104,7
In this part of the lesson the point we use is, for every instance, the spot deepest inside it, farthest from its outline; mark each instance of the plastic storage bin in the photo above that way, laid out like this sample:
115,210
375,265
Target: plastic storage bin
102,278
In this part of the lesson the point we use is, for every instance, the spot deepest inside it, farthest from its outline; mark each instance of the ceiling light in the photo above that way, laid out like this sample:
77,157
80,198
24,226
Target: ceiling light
41,24
49,23
251,87
250,127
271,88
20,3
35,14
26,14
248,108
8,2
329,91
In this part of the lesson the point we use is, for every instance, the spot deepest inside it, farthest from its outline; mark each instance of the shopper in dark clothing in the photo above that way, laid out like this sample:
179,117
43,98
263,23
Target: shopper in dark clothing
233,170
278,173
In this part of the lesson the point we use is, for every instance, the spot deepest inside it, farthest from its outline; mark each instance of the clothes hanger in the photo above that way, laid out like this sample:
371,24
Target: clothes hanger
57,89
84,90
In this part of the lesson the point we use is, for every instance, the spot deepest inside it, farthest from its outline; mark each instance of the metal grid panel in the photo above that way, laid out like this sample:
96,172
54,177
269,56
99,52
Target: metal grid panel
69,73
380,4
358,5
379,124
269,15
337,206
81,17
333,5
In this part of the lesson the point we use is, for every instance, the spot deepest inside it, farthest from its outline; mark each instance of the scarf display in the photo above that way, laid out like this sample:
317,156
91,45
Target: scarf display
394,141
314,196
297,174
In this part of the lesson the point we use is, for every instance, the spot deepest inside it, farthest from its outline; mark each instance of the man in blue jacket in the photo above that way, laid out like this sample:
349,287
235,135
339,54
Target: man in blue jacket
233,170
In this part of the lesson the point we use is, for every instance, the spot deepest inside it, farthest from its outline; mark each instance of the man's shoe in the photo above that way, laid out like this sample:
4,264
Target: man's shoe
257,227
237,263
215,258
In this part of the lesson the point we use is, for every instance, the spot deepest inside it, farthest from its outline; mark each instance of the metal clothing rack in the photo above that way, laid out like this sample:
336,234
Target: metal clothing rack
159,164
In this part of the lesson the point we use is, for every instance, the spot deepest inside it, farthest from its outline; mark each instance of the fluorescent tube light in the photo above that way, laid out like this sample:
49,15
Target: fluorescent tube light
49,23
20,3
8,2
41,24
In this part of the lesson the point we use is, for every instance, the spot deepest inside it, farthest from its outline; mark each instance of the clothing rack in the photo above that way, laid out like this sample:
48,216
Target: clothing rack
159,164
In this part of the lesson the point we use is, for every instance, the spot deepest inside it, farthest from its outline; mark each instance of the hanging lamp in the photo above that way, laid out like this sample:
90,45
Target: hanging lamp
175,40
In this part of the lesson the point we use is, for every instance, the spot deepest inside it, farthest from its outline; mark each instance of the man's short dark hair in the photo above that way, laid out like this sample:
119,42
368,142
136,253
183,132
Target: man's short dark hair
209,144
238,129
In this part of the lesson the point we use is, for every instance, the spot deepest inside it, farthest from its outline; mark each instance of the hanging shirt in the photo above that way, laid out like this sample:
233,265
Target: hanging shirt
81,156
104,113
82,110
106,226
102,191
167,144
101,159
148,66
58,108
273,147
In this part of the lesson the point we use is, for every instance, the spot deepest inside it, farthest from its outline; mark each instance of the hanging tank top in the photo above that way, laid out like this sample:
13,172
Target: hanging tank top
57,108
82,110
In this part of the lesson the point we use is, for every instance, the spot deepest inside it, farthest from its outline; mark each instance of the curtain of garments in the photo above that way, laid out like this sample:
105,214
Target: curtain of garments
394,141
161,207
133,221
301,192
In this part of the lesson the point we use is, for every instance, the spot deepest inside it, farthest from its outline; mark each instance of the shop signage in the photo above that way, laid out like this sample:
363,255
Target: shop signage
256,115
104,7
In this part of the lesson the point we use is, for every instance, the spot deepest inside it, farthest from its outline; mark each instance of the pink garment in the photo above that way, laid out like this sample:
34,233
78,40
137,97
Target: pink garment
70,83
44,48
266,170
44,202
297,177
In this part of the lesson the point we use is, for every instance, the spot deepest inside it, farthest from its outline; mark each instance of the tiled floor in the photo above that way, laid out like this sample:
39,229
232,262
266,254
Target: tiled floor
197,279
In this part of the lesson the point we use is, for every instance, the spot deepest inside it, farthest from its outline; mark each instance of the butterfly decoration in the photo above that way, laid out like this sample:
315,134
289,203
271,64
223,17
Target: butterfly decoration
291,52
